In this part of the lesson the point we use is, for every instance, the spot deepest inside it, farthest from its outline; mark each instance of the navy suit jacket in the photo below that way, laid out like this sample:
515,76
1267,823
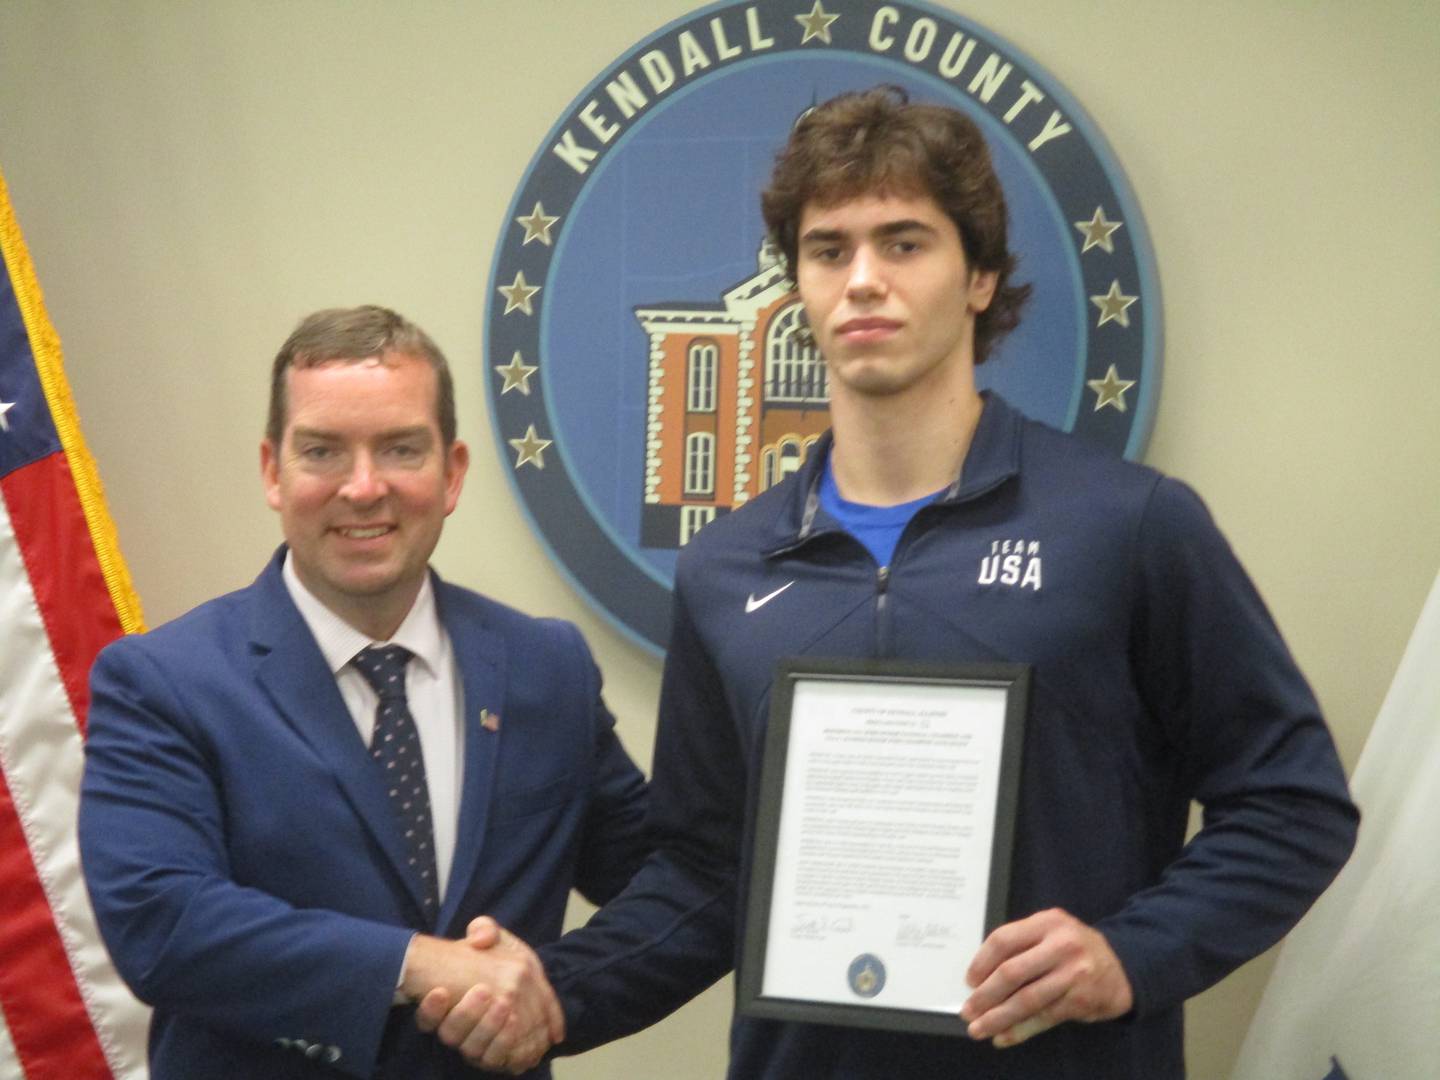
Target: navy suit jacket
247,870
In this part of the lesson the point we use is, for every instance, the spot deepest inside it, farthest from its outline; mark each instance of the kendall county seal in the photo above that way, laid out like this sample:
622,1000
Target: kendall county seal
866,975
646,372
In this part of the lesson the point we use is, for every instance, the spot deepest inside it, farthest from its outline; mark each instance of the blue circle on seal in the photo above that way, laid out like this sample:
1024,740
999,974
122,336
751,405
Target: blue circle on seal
631,267
866,975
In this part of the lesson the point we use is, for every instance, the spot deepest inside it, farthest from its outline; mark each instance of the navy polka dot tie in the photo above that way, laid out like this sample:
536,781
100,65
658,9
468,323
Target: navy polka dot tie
395,749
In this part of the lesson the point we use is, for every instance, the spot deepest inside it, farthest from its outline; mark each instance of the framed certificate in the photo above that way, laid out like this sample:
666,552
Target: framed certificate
883,839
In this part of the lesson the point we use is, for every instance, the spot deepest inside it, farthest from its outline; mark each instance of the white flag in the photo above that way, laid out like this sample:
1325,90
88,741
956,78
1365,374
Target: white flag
1356,992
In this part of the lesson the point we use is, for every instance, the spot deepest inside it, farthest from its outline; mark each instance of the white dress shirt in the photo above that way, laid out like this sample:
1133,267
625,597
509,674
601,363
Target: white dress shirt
432,687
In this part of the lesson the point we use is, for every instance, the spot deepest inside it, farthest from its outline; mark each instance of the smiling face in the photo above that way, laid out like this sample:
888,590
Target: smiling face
889,293
363,483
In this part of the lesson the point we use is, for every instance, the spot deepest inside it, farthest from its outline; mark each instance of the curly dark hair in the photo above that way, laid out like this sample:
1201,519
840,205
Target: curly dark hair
879,142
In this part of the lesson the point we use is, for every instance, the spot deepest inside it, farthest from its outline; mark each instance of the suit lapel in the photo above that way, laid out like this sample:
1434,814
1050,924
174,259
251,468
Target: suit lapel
292,671
481,661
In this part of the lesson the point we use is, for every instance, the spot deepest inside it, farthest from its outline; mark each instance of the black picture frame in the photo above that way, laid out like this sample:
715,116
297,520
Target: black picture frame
789,673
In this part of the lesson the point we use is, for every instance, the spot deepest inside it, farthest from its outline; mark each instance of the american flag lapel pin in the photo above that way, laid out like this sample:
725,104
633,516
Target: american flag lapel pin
489,721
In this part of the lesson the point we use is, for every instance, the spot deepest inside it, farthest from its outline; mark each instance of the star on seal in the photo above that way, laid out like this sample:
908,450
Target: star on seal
5,407
817,24
518,293
1113,306
531,449
1098,232
516,374
537,225
1110,390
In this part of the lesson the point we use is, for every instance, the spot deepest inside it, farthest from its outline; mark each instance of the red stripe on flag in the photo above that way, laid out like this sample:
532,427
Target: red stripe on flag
64,572
38,992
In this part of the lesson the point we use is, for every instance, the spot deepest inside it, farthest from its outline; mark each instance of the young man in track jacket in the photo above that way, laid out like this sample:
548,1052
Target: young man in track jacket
1158,676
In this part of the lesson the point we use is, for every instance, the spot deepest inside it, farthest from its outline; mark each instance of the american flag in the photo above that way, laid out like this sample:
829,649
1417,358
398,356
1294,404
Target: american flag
64,593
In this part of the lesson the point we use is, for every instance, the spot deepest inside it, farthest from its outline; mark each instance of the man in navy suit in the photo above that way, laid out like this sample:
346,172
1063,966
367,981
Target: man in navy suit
297,795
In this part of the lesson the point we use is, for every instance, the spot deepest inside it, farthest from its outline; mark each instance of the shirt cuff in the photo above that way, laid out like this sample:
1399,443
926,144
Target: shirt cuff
400,996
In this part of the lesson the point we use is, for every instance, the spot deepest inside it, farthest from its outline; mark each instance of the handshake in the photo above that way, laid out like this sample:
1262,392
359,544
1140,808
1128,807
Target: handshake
485,996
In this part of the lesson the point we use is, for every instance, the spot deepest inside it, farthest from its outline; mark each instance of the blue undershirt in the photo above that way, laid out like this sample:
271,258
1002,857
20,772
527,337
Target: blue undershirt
877,527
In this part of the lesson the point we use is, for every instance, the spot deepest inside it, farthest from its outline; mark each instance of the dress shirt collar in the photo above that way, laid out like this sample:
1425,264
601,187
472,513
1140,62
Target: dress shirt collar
339,641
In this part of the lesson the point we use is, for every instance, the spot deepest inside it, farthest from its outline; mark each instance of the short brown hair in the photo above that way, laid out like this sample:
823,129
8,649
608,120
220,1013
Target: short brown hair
352,335
879,142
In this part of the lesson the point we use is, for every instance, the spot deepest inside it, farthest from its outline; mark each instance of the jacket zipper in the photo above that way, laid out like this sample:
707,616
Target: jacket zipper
882,612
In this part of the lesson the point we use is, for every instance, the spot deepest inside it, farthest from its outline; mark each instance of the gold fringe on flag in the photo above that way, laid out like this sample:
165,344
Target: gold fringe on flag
50,363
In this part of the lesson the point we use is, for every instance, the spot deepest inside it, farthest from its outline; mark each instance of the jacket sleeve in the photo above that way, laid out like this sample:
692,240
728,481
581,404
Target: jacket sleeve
1278,822
614,840
184,934
669,934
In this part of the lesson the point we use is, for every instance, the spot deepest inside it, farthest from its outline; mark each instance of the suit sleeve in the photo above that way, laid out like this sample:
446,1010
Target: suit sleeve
670,934
184,934
1278,822
614,840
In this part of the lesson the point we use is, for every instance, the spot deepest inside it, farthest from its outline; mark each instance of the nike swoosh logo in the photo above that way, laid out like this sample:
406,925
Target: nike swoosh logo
751,604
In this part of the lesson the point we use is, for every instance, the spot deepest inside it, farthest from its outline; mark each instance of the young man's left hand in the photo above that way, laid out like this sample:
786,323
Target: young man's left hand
1034,973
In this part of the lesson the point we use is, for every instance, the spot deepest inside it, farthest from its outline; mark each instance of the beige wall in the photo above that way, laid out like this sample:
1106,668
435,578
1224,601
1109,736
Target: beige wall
193,177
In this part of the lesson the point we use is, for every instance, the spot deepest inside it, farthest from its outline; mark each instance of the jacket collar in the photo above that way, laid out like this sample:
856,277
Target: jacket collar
993,459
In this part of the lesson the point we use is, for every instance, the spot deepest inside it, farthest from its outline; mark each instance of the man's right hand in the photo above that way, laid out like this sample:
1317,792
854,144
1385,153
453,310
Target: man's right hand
486,996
